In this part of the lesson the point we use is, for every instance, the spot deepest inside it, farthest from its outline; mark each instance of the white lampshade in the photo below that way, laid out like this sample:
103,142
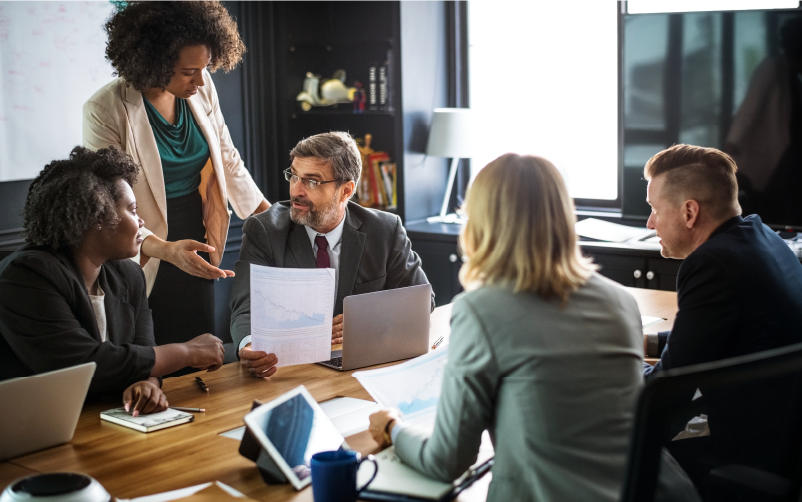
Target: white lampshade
451,134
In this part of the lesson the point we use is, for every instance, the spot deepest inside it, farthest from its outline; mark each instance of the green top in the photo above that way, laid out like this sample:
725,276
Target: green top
182,148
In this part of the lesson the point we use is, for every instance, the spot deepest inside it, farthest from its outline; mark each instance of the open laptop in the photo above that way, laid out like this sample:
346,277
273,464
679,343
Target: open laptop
383,326
41,411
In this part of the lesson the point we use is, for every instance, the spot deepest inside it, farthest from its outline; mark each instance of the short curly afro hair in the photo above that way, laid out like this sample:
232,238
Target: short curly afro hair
74,195
146,38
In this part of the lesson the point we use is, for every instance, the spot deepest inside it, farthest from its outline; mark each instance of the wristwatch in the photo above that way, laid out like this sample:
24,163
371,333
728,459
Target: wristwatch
652,345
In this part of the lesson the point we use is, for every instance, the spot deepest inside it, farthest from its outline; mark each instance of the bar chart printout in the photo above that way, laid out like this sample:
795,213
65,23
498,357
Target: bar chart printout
291,313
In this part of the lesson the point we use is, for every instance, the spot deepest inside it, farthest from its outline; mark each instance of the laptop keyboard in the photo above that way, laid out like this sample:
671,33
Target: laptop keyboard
337,362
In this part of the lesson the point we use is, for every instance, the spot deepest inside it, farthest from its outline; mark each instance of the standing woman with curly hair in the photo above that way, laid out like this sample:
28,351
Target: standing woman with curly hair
163,110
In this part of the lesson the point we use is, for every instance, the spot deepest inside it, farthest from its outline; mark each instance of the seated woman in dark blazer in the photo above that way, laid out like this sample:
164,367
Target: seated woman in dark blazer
72,295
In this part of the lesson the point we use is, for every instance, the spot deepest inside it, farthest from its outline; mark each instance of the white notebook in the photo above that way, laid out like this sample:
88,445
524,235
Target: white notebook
147,423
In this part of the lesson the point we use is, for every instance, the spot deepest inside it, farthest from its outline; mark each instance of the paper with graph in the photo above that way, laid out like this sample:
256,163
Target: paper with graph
413,388
291,313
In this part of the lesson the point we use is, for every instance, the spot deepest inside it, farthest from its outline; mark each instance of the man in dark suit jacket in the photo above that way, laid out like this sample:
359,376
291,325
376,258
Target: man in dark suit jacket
319,227
739,291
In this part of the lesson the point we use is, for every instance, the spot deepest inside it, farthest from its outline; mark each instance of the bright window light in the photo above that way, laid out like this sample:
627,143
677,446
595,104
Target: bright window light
544,81
659,6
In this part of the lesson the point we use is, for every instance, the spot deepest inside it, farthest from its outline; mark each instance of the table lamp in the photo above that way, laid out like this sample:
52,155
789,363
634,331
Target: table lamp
451,136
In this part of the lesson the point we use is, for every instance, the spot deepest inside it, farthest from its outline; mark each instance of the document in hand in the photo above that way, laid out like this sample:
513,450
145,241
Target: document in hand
291,313
413,387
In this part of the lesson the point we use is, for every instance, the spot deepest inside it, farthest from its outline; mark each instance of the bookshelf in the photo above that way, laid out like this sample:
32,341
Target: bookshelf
323,37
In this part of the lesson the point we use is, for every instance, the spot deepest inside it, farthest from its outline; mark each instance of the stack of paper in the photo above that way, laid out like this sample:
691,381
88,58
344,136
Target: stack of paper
610,232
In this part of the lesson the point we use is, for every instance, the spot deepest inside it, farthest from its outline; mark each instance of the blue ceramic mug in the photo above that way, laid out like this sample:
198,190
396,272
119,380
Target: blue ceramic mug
334,475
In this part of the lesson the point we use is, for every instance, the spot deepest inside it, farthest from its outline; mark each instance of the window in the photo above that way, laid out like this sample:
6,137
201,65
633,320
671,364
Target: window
544,81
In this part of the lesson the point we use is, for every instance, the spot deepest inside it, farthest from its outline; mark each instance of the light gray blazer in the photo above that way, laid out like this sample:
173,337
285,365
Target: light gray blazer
556,388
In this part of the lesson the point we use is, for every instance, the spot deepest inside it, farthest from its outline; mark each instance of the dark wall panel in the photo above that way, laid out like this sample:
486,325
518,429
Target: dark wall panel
423,84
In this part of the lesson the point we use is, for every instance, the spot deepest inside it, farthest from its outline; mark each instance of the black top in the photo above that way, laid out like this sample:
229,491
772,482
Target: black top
738,293
47,321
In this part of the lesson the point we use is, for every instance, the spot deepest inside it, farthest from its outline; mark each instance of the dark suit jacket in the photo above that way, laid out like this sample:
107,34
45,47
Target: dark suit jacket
375,255
47,321
739,293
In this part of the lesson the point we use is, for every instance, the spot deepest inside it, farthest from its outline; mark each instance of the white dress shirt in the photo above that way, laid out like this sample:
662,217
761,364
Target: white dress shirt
335,240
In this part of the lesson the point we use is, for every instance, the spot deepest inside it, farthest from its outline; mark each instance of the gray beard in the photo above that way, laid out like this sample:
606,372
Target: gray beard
315,218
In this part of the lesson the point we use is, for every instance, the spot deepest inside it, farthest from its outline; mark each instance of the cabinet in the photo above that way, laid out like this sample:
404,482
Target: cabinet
436,244
633,267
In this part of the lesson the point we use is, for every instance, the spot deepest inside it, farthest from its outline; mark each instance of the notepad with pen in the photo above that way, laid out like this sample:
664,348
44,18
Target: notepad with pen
147,423
398,482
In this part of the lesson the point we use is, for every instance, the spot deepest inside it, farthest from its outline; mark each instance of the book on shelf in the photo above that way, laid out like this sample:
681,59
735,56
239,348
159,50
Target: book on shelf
147,423
378,194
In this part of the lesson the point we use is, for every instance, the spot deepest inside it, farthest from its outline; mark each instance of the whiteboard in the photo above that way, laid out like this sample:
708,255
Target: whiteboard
52,59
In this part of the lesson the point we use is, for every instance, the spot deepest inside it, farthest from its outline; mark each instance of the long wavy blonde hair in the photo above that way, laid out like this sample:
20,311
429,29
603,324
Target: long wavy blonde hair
520,231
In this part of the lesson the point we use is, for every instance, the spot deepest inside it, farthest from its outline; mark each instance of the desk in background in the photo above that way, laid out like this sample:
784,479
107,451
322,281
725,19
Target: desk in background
131,464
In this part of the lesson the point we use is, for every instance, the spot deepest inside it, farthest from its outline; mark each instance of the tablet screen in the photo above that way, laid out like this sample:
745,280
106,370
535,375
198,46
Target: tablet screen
298,430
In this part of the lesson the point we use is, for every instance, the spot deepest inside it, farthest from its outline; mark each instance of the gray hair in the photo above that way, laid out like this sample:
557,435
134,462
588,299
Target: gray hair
337,148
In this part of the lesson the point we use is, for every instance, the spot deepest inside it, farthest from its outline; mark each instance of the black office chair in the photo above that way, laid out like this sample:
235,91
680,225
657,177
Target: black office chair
667,393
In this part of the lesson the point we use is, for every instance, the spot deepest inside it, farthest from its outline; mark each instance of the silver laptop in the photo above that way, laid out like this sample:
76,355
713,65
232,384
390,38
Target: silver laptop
41,411
383,326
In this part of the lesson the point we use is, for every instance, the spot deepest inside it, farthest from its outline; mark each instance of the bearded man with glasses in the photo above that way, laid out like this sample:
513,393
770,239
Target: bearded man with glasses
320,227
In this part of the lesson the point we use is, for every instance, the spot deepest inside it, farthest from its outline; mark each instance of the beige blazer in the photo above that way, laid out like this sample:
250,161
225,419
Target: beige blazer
115,115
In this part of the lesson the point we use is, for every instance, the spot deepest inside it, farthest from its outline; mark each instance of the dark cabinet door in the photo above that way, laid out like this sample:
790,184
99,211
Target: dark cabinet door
662,274
626,270
441,263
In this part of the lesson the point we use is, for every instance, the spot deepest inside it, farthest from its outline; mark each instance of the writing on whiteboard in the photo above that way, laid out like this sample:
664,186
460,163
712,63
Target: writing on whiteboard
52,59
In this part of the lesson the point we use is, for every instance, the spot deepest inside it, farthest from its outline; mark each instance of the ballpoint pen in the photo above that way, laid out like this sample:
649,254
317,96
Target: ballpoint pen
194,410
201,384
437,342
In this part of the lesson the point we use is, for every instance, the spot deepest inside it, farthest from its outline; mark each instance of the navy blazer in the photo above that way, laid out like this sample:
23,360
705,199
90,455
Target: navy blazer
47,321
740,293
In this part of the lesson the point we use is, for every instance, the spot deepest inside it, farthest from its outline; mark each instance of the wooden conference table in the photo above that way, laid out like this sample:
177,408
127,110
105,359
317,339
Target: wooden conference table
131,464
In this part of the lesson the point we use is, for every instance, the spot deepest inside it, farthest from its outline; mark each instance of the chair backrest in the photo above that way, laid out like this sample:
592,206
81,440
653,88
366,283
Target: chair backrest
669,390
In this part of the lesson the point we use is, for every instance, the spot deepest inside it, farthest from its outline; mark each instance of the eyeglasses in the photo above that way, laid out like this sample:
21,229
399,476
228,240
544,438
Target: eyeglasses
308,183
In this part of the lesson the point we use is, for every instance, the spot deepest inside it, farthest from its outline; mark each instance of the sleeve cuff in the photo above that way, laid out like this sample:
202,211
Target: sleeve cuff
145,234
397,428
662,338
245,341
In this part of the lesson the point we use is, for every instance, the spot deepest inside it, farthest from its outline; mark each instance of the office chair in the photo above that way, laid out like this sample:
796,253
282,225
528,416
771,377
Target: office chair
669,391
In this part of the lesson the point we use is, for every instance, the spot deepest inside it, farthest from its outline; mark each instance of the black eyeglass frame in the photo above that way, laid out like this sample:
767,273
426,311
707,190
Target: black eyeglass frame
289,175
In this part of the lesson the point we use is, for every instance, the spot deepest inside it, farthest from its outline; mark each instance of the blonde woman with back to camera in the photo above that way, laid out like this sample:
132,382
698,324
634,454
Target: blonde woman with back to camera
544,353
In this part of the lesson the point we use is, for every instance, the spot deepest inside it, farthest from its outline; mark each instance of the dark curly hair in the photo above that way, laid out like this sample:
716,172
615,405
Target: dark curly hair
146,38
71,196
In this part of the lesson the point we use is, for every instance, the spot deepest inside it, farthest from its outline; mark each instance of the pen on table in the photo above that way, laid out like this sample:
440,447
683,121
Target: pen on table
202,385
193,410
437,342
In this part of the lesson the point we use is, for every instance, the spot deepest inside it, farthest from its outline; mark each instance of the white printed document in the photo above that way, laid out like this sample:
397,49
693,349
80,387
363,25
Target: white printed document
611,232
413,387
291,313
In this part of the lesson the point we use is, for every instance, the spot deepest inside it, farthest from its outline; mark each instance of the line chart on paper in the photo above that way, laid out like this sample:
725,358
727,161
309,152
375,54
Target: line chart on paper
289,307
412,387
291,313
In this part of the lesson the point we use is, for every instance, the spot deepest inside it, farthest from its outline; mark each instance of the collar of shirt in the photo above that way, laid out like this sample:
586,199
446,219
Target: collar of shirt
333,237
